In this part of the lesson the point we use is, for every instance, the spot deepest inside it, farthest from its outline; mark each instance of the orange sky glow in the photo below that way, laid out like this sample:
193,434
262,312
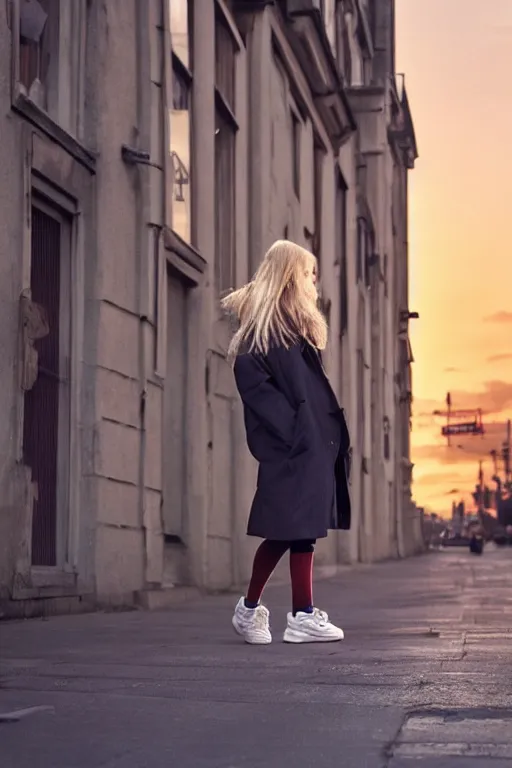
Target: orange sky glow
457,58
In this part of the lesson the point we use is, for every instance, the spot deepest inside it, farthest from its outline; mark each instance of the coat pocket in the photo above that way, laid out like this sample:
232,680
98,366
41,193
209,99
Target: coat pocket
303,434
345,434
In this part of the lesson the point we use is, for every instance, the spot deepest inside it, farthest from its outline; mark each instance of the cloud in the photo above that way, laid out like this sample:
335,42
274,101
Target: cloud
499,317
447,455
424,421
471,448
447,480
495,398
500,358
423,407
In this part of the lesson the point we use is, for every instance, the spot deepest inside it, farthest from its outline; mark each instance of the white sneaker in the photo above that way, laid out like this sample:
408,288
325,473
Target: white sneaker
311,628
252,623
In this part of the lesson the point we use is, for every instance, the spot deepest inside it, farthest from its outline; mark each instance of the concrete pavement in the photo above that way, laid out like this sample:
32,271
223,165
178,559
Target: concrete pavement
424,678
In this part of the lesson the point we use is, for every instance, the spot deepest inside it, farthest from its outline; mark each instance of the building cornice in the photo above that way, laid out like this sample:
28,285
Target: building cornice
307,36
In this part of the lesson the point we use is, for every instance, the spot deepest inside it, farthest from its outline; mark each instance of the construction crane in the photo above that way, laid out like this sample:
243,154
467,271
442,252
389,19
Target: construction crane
467,421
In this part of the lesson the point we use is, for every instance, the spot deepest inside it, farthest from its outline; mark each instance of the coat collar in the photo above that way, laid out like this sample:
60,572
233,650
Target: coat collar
308,350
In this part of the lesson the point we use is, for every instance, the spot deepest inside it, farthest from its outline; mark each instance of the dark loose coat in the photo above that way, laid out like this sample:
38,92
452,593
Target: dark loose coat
298,434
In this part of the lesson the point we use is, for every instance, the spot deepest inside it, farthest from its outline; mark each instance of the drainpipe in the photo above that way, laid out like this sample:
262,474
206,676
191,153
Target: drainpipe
142,186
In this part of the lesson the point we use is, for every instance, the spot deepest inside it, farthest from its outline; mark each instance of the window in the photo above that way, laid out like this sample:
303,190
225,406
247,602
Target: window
46,423
226,129
180,117
175,410
364,251
296,135
48,53
329,15
360,399
367,70
387,440
361,248
343,43
318,171
341,249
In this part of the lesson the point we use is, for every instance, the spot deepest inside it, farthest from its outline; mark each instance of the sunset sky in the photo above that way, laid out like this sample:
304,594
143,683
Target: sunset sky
457,58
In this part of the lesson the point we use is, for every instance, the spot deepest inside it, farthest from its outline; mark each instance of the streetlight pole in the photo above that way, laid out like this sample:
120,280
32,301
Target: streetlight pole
448,414
506,456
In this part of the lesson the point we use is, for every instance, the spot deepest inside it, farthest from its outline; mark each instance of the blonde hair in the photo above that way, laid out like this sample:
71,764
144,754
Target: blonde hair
278,304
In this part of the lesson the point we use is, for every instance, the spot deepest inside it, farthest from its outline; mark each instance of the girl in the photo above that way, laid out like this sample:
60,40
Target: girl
295,430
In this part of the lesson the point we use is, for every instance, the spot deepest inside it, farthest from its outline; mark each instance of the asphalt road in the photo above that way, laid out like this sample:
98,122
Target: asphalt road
423,679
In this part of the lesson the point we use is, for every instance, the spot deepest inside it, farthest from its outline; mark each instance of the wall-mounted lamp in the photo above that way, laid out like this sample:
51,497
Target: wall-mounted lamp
405,316
132,156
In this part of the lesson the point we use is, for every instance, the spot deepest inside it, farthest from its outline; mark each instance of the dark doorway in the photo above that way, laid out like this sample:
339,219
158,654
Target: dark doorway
46,422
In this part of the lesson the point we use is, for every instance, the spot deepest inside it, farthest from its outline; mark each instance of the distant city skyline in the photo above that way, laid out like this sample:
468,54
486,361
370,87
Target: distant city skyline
457,58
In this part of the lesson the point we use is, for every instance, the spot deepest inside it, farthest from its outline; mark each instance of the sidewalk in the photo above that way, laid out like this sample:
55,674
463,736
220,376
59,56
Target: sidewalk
422,679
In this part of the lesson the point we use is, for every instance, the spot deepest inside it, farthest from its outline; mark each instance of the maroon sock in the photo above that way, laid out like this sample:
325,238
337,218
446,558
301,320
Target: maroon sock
301,572
266,558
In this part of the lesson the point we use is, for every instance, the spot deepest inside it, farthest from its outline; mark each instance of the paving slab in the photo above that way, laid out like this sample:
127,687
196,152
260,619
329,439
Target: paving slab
448,762
422,679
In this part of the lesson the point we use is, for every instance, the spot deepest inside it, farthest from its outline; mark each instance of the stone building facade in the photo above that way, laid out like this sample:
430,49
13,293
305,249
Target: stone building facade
151,152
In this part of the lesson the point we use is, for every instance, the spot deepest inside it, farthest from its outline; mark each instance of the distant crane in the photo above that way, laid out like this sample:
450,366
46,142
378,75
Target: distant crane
473,426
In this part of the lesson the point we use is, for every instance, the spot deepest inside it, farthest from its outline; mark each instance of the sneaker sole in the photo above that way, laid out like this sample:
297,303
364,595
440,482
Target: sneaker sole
263,640
291,636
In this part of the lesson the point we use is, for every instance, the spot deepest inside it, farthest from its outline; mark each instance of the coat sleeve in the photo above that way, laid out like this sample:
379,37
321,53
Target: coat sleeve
260,394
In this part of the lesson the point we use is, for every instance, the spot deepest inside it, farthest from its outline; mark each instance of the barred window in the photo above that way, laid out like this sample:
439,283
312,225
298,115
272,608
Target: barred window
48,56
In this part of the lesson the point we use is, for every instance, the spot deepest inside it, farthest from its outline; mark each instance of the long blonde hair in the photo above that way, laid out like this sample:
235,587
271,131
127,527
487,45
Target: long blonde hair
279,303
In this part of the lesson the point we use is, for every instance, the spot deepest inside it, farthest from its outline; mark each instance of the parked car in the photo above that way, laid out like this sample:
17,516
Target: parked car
450,540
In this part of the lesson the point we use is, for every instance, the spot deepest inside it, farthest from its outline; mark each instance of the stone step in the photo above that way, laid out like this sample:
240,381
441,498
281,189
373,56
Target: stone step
161,598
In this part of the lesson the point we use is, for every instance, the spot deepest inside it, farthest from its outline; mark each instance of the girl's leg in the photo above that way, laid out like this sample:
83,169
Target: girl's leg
301,572
266,559
306,624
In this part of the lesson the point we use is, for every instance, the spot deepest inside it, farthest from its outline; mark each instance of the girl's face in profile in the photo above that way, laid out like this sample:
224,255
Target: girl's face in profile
310,278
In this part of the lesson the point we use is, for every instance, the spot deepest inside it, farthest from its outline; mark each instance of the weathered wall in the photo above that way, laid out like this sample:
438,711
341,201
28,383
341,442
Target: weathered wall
116,465
12,481
123,443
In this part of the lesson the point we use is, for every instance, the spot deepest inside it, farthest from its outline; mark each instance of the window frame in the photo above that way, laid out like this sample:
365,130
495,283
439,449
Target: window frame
179,72
365,245
183,71
362,231
341,257
225,113
67,135
67,186
66,363
386,432
319,156
296,135
343,52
